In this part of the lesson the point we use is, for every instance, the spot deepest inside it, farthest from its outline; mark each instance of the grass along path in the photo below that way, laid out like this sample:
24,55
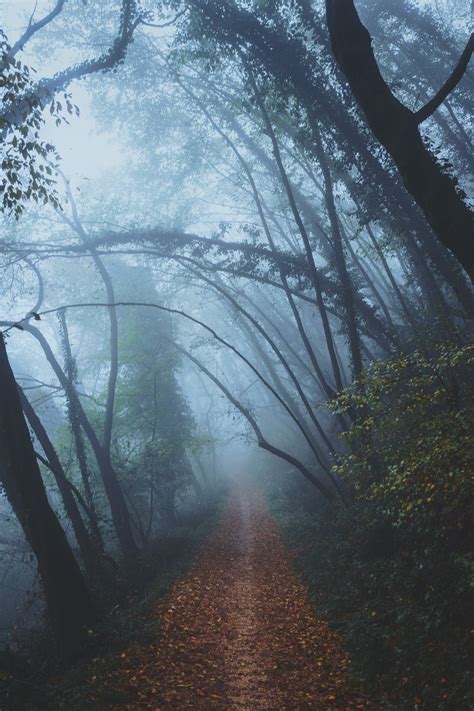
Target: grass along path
239,631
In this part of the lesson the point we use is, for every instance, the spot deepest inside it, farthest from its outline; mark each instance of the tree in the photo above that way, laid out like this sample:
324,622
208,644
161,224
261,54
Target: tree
396,127
26,169
68,602
26,161
52,461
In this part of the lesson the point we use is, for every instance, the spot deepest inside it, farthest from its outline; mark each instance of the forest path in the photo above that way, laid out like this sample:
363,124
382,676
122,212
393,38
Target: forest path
239,631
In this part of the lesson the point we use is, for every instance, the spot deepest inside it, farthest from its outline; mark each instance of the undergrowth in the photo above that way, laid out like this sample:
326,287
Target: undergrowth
393,572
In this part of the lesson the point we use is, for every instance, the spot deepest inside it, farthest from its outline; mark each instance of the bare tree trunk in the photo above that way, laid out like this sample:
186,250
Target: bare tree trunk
396,127
89,555
367,278
314,276
72,399
290,371
313,272
76,225
69,606
262,442
347,287
113,490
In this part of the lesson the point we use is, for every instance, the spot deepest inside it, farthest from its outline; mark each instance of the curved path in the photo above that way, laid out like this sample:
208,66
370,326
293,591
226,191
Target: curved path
239,633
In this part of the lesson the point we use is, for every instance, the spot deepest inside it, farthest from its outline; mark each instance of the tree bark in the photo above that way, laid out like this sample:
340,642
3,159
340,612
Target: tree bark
80,531
68,602
396,127
113,490
347,288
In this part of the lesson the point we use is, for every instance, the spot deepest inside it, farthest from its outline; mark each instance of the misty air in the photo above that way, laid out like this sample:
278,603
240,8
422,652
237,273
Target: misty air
236,355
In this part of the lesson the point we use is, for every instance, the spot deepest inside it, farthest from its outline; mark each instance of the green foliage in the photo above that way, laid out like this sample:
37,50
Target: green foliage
394,571
412,440
153,423
27,172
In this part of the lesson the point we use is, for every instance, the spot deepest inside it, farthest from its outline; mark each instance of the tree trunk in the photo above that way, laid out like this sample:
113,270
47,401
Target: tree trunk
69,606
80,531
347,288
72,399
113,490
396,127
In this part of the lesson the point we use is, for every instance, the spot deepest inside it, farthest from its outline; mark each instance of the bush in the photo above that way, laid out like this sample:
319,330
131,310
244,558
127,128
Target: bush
393,571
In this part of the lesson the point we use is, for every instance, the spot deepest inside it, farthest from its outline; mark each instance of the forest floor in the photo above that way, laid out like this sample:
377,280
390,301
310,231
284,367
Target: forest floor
239,631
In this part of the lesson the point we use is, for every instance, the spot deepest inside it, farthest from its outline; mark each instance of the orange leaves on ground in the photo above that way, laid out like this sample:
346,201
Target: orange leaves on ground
239,632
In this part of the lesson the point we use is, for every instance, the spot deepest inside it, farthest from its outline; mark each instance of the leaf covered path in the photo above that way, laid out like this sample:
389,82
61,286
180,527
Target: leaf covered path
239,632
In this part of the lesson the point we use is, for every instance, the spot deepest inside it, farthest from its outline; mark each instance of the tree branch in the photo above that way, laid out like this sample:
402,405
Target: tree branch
450,84
33,27
45,89
218,338
166,243
262,442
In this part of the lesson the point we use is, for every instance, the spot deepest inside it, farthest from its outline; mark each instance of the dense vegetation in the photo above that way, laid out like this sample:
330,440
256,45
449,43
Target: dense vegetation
229,224
393,570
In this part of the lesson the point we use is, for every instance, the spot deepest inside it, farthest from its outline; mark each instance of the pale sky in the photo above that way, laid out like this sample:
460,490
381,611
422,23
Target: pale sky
83,149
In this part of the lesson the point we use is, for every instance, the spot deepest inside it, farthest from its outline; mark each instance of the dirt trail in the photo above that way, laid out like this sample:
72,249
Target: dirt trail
239,632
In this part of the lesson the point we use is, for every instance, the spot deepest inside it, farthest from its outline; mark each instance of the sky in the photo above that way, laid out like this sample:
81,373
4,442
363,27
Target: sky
84,149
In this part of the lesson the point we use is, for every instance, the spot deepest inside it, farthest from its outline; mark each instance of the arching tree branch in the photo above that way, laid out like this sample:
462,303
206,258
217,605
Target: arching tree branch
33,27
45,89
262,442
450,83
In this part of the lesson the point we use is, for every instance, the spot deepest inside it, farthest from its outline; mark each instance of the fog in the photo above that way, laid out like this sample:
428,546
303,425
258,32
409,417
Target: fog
206,255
